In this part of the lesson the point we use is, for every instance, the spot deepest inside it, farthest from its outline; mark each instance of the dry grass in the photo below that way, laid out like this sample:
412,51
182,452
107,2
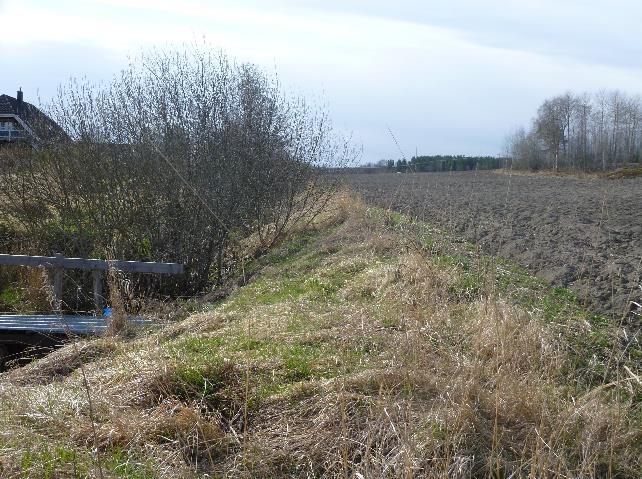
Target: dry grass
354,352
619,173
625,172
585,175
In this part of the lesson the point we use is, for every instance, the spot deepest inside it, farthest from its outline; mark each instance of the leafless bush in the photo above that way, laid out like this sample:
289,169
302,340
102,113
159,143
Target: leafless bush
176,159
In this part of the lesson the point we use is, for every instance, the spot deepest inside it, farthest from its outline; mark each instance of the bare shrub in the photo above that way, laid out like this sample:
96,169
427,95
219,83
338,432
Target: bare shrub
177,158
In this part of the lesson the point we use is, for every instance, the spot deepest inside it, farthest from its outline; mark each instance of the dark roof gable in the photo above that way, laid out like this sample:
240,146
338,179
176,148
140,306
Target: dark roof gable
44,127
8,105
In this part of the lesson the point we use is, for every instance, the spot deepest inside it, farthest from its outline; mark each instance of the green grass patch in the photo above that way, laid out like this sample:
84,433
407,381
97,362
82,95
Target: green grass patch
126,466
49,461
291,250
11,298
209,367
272,289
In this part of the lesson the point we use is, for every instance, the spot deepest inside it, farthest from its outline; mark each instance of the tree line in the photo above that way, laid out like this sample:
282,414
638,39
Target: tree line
433,163
454,163
585,132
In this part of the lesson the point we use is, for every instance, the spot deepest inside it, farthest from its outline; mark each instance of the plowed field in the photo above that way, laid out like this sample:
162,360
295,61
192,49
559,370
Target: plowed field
585,234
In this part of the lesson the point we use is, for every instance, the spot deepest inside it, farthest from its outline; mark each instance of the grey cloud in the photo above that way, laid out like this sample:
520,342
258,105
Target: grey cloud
605,33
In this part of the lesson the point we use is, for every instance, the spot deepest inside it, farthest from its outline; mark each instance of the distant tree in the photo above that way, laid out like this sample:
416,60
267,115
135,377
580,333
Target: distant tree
524,150
586,132
550,125
382,163
582,123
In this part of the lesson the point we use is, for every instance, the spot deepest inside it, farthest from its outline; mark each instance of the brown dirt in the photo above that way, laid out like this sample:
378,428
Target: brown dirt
585,234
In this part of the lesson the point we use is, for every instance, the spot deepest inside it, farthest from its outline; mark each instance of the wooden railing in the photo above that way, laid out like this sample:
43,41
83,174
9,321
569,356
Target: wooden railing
57,264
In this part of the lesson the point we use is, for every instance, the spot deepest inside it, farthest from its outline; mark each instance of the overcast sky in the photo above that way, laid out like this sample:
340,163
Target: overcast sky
447,76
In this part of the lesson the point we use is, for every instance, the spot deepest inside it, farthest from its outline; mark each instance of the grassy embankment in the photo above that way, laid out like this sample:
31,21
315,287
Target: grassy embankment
364,346
625,172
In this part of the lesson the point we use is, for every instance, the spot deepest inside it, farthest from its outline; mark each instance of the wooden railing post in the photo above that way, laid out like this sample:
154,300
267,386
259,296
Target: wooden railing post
98,291
57,283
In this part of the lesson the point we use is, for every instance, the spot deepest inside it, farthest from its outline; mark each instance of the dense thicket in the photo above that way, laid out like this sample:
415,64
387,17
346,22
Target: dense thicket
585,132
176,159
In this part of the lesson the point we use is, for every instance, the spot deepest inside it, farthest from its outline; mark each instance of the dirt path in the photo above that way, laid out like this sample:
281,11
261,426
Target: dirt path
585,234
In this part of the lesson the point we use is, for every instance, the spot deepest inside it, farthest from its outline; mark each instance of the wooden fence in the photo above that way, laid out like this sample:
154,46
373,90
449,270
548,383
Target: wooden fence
58,263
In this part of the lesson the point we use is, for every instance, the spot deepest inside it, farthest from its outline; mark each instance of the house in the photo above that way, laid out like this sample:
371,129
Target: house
22,122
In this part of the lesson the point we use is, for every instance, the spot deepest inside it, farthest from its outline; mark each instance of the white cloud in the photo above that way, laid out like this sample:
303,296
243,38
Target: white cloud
447,76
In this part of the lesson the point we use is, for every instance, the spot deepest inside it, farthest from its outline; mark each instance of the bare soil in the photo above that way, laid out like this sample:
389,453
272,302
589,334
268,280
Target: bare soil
585,234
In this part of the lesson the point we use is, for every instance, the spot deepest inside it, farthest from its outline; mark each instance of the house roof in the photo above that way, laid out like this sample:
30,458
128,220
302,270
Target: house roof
44,127
7,104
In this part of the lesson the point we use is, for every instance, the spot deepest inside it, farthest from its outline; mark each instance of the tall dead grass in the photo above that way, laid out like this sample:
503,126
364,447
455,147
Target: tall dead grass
441,384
